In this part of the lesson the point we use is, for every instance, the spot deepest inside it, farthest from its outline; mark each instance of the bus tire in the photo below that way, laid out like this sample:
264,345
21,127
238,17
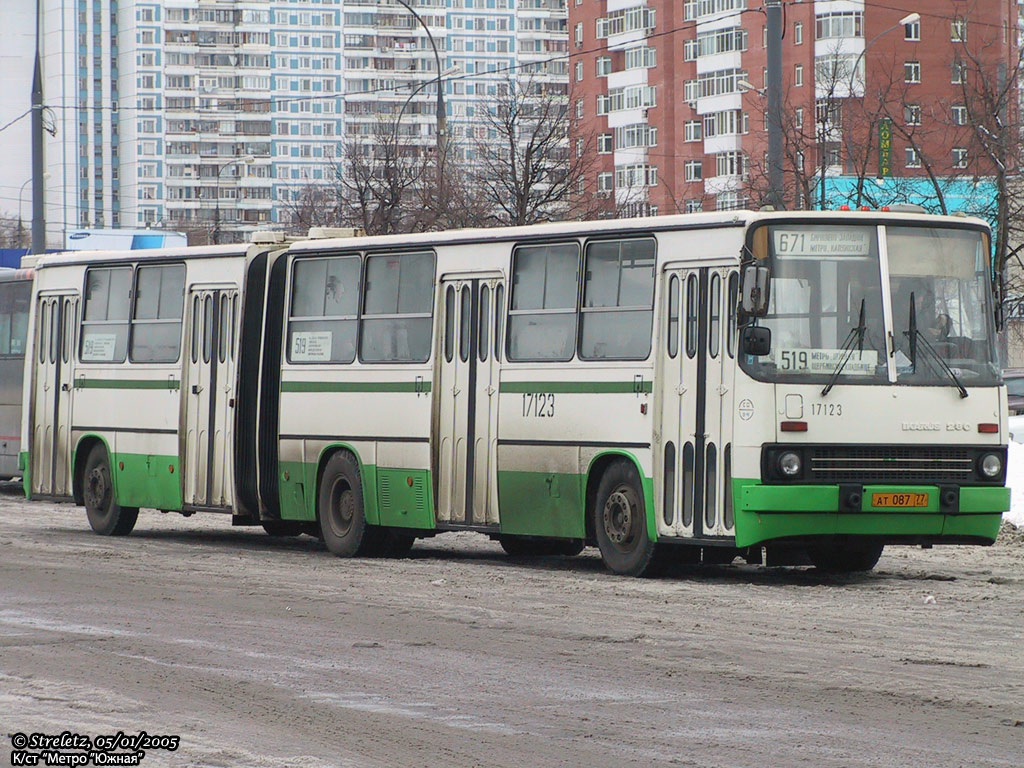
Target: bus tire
106,516
845,556
620,521
340,507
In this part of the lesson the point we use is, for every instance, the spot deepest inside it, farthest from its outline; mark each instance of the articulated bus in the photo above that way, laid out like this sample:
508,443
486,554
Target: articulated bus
763,385
15,292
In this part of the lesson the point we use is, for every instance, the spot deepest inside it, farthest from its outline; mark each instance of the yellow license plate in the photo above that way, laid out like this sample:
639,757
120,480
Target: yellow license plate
899,499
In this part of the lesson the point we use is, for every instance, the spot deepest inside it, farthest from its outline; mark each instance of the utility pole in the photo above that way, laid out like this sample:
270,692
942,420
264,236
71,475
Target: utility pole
773,10
38,211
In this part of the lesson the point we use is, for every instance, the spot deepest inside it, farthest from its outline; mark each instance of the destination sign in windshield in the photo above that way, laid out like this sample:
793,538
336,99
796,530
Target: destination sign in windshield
822,242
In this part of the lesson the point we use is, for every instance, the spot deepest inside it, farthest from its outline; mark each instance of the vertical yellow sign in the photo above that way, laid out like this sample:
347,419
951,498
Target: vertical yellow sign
884,147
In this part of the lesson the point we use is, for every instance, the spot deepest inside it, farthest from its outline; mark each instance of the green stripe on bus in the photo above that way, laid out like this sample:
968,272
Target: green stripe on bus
355,386
127,384
577,387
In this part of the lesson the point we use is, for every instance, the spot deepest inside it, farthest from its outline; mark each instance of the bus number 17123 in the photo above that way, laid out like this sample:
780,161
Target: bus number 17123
540,405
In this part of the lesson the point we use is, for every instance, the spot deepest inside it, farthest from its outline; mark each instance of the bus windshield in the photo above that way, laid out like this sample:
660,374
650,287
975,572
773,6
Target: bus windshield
827,305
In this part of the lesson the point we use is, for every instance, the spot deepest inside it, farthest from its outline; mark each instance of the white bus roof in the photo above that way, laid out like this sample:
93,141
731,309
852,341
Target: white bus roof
737,218
148,254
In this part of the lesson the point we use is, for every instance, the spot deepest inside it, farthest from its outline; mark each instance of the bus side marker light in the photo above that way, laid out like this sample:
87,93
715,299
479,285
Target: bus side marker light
170,468
643,408
988,429
120,465
408,481
793,426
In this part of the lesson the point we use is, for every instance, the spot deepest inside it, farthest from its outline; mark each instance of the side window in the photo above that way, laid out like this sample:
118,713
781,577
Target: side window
499,316
465,320
485,322
618,300
691,316
733,298
105,325
395,326
156,318
542,309
14,301
672,327
715,315
449,322
324,303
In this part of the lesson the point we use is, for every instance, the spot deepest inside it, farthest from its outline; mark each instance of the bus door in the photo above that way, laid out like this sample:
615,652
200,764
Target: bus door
468,401
696,396
209,397
56,325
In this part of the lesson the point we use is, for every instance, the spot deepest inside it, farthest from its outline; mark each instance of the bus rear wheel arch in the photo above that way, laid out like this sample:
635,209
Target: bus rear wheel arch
619,519
106,516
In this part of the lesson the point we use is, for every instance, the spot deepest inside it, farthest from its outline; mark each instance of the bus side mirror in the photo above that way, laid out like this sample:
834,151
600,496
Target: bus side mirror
756,340
754,290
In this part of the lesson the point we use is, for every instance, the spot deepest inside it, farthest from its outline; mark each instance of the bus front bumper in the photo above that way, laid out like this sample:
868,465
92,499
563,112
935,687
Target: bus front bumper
770,512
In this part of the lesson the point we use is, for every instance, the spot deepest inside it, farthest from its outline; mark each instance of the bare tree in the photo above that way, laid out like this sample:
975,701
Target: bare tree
13,232
525,168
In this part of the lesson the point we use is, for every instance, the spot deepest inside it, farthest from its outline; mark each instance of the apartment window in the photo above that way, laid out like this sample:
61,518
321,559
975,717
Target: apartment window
840,24
692,171
959,157
912,71
798,118
603,103
959,73
912,114
912,31
604,66
798,75
959,114
604,143
910,158
958,31
730,164
692,130
579,109
694,206
579,71
578,34
604,181
798,33
579,147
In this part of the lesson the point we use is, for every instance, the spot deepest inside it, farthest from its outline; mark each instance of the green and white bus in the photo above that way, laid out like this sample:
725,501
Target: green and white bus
704,386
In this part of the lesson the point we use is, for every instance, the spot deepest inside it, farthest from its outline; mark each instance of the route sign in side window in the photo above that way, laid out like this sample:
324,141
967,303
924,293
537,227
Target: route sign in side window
398,299
618,300
107,308
156,322
324,302
542,310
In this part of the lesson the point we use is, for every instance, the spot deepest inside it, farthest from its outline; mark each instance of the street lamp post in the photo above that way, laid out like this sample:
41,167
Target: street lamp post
248,160
447,73
21,192
442,119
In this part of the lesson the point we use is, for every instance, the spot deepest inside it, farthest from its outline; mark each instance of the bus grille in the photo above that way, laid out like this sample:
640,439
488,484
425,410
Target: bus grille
870,463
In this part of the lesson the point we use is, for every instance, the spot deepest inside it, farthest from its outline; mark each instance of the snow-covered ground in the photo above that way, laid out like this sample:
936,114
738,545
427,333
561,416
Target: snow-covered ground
1015,479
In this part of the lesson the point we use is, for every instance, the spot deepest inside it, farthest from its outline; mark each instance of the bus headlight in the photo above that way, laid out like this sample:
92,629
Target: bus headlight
789,464
991,464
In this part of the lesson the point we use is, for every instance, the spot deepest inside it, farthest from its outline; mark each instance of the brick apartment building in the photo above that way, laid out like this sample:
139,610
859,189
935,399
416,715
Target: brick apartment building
672,96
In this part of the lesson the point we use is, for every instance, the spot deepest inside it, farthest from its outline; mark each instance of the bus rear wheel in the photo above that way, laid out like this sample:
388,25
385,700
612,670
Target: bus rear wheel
340,506
105,515
845,556
620,521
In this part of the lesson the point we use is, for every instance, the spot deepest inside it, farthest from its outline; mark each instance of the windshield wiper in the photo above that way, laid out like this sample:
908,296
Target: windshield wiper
914,335
856,334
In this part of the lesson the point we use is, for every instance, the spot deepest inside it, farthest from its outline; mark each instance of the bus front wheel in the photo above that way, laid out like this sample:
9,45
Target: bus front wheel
105,515
620,521
340,505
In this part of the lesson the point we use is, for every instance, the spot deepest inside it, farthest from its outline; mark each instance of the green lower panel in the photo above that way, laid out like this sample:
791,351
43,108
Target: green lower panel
404,498
147,481
26,473
542,504
984,500
985,526
297,503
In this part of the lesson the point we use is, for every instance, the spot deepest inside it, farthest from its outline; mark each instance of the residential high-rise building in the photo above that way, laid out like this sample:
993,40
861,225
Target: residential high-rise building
674,94
213,115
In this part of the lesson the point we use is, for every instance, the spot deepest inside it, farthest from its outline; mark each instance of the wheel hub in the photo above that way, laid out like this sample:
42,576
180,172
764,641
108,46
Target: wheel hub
618,516
342,508
95,488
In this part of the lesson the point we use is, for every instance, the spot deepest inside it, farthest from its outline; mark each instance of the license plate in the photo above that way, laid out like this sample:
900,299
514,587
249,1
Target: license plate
899,499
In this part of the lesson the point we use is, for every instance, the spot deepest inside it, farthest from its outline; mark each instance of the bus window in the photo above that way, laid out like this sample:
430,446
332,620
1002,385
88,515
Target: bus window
465,322
195,329
727,486
54,330
485,321
711,487
687,493
715,312
542,310
449,323
14,300
324,303
156,322
225,328
669,510
207,328
396,322
672,328
499,315
107,308
618,300
691,316
732,297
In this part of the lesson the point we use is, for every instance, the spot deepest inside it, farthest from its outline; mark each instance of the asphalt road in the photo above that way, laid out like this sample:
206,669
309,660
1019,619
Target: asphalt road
264,652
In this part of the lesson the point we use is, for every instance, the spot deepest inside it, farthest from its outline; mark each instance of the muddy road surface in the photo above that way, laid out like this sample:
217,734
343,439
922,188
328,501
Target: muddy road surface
269,652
